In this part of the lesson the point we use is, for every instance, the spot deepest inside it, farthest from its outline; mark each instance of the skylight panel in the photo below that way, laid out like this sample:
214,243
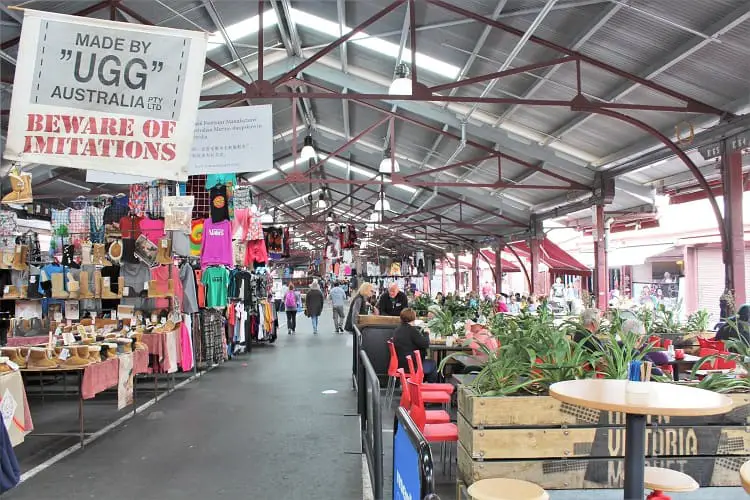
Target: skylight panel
330,28
241,29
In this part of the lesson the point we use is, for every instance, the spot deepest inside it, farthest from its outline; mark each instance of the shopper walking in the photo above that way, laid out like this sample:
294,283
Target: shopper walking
338,301
314,304
290,306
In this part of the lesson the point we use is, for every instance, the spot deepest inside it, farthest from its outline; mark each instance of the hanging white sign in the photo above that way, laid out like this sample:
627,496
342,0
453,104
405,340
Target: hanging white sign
105,95
229,140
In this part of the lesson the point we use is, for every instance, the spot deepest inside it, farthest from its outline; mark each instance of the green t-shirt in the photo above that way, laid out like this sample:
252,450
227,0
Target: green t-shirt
216,280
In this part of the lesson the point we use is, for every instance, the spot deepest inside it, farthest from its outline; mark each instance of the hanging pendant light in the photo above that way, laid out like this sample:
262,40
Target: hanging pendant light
385,163
375,217
308,150
401,83
382,205
322,203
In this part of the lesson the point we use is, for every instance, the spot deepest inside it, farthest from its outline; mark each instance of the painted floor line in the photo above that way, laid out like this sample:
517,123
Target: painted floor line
96,435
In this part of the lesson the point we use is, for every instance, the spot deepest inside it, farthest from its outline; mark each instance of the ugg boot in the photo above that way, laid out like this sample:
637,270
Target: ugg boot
164,254
7,259
58,286
20,185
111,350
84,291
40,359
115,251
74,358
74,289
13,354
86,253
107,292
139,345
100,256
95,353
11,292
4,366
20,257
98,284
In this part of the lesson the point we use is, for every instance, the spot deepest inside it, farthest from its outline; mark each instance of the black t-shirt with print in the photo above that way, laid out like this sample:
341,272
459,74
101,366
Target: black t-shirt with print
219,203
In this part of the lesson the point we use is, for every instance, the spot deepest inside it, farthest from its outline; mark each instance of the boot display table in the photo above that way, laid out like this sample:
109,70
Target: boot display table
92,380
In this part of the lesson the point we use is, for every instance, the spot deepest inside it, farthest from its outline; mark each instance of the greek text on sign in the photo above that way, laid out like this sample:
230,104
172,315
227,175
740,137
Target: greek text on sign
104,95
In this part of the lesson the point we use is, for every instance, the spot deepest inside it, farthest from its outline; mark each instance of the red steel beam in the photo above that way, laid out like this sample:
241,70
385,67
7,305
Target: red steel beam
413,41
81,13
695,105
209,62
348,143
331,46
474,144
500,74
448,167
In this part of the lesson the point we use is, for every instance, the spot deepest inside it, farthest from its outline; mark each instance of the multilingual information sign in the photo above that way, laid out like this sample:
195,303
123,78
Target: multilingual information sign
233,140
104,95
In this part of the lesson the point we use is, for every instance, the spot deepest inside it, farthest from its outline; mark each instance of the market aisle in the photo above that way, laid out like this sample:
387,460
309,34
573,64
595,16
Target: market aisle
261,431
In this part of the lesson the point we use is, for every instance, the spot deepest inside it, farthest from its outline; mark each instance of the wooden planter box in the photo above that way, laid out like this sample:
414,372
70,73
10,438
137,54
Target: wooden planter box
561,446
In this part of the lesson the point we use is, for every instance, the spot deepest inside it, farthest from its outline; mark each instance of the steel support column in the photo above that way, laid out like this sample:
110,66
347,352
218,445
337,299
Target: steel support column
475,270
734,244
442,278
457,275
535,282
601,276
499,267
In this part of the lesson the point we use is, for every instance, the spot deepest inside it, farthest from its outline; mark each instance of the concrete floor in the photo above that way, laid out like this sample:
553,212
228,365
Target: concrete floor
255,428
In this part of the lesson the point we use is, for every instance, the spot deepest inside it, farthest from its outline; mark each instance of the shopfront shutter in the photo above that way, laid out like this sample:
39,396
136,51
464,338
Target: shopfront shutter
747,276
710,280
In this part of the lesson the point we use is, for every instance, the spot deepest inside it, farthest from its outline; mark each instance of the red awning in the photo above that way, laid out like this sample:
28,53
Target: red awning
508,266
554,257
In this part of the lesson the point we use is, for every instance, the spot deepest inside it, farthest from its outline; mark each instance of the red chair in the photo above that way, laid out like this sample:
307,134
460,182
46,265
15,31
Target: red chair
718,363
438,397
449,388
712,344
433,433
655,341
431,416
392,374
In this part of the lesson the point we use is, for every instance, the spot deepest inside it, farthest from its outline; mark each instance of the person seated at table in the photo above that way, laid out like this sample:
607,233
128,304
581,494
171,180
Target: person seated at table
407,338
502,306
590,322
736,325
393,302
634,326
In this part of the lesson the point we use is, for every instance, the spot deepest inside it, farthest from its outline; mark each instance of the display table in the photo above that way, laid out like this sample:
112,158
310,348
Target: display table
27,341
655,399
15,407
94,379
166,347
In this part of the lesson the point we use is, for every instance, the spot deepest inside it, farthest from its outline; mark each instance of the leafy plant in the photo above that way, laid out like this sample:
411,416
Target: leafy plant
422,304
443,323
618,348
698,321
666,320
646,316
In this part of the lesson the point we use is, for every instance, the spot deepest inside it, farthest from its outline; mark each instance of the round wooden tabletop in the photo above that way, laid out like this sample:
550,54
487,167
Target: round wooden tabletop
653,398
657,478
745,476
506,489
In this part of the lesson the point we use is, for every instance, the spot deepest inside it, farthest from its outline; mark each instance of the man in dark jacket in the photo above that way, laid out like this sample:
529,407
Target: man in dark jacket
392,302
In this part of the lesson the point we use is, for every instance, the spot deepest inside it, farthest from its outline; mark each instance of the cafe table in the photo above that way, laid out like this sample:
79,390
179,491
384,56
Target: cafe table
651,398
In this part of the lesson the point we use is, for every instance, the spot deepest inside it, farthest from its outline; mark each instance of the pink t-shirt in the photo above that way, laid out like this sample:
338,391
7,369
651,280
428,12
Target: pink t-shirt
153,229
217,243
239,223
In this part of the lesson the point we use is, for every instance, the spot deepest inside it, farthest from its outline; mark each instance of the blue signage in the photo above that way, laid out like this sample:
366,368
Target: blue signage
406,466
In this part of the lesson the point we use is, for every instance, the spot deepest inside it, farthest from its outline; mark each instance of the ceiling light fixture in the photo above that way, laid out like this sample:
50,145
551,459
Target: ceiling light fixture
308,150
322,203
387,162
382,205
401,83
